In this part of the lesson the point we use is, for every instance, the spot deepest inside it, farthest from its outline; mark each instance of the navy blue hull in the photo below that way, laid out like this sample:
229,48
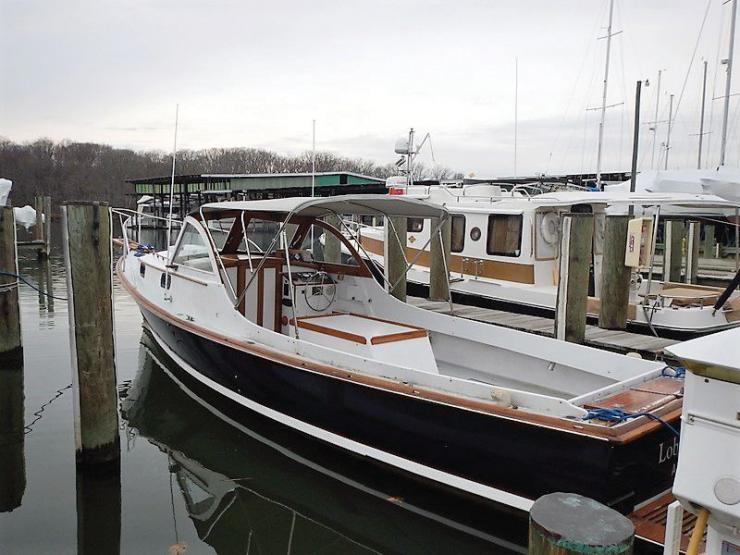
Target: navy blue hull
506,454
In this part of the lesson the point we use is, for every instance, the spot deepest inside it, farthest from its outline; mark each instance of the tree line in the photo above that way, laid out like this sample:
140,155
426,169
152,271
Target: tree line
67,170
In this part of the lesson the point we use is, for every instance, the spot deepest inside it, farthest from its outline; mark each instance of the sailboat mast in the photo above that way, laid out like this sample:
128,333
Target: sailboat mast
701,121
603,96
516,107
655,120
728,82
668,137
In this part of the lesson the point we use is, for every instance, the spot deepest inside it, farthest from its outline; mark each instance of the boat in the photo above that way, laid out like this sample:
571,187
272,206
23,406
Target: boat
318,345
505,246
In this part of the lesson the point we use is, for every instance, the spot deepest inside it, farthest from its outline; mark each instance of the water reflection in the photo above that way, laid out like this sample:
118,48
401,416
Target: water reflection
99,509
256,487
12,440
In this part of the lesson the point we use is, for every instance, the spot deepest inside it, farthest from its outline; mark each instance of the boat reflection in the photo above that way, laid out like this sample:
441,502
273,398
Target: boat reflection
253,486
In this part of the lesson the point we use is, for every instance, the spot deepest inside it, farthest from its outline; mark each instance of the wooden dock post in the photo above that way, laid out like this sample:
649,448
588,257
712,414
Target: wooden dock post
38,230
12,461
46,247
692,252
332,246
708,243
10,320
615,276
439,277
673,250
575,262
395,259
569,524
88,260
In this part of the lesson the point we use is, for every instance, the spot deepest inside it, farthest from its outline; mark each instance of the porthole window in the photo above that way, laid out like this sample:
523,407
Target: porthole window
475,233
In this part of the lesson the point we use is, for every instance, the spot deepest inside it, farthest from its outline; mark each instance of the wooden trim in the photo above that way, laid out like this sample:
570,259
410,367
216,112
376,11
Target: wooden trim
386,321
278,324
347,336
261,296
401,336
620,434
593,307
240,284
491,269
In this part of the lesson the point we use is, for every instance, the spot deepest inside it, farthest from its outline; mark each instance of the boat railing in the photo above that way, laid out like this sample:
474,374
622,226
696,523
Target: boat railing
134,232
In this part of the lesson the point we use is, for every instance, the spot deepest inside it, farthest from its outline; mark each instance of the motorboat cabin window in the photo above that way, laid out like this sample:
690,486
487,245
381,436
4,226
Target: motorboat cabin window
475,233
319,245
192,250
504,234
458,233
414,225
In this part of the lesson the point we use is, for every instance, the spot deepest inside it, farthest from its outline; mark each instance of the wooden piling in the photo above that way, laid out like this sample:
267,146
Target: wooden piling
88,258
692,252
395,261
12,460
673,235
46,248
332,246
10,320
38,230
708,243
575,262
439,277
615,276
567,523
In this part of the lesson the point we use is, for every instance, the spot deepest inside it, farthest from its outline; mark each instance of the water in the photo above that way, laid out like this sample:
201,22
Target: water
190,481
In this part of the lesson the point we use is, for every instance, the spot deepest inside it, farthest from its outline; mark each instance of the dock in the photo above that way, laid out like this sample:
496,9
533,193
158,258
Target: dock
618,341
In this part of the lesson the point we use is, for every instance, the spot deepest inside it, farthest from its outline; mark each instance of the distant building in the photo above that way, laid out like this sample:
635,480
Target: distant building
190,191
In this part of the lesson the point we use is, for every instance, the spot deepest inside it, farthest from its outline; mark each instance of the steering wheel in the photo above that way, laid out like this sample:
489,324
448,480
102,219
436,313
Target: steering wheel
320,291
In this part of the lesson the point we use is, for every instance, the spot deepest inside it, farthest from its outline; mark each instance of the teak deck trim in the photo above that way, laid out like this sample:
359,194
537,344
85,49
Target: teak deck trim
622,433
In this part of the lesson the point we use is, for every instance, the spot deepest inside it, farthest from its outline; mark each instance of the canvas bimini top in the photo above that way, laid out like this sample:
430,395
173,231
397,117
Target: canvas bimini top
318,207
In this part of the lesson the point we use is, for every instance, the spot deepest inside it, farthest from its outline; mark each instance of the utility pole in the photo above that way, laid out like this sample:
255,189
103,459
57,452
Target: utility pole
603,96
668,137
655,121
728,82
701,121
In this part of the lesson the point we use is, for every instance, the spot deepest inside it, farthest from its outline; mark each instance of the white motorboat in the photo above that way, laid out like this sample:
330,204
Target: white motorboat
271,327
505,247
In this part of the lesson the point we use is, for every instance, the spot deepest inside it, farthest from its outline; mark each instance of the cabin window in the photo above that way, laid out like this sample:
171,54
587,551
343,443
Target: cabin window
193,251
414,225
458,233
475,233
504,234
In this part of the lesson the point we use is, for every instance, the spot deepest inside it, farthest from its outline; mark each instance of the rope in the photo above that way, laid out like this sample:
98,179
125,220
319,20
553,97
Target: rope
31,285
618,415
39,413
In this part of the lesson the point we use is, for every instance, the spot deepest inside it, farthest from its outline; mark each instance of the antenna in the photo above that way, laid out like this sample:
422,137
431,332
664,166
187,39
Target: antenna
313,158
728,82
172,180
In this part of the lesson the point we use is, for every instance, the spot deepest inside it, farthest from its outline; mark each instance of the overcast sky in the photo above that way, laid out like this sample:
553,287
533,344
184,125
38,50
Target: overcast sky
249,73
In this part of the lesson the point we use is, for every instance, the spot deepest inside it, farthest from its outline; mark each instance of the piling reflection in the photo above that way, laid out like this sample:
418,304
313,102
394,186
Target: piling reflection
12,457
99,509
253,486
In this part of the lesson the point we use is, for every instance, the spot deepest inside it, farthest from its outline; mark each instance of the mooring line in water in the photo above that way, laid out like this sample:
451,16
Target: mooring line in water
31,285
39,413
